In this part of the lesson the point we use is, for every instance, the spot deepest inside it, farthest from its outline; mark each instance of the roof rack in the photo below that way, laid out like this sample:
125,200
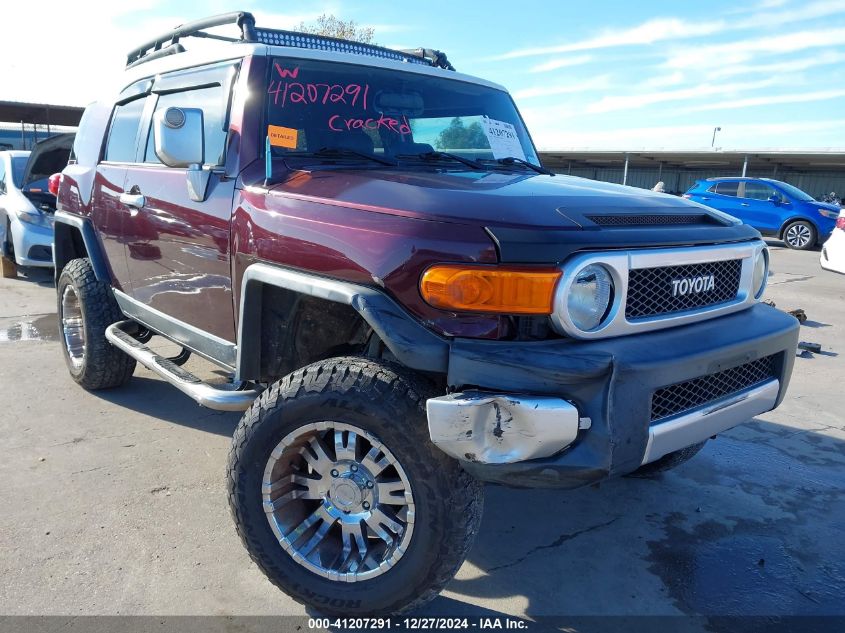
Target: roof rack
168,43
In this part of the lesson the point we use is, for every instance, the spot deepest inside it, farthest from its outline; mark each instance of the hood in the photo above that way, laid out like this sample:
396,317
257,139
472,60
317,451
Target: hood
827,205
47,158
515,199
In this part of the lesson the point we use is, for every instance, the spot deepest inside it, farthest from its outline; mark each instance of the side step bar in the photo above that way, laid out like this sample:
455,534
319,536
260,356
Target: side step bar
184,381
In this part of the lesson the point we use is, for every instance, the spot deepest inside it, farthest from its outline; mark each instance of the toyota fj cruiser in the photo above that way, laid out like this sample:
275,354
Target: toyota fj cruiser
407,302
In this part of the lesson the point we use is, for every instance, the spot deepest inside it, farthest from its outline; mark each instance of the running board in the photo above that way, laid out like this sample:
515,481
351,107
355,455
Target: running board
205,394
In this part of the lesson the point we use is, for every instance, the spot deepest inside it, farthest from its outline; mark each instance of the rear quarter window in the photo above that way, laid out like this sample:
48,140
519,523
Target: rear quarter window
123,133
725,188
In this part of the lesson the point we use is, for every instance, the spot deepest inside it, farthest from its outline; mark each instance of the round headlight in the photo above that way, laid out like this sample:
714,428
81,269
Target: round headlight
589,297
761,272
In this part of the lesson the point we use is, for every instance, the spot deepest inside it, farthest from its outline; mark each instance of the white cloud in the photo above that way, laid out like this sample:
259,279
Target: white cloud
795,65
720,55
662,81
563,62
646,33
794,97
666,29
815,134
570,87
633,101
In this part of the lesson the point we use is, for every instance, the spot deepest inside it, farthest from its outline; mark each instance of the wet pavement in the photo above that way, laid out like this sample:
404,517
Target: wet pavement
115,502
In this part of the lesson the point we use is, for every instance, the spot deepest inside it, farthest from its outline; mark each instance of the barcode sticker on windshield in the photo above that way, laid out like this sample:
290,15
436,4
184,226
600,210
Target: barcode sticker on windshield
504,143
282,136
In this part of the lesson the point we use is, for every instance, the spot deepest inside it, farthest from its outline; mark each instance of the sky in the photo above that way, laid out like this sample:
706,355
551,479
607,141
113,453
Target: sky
604,74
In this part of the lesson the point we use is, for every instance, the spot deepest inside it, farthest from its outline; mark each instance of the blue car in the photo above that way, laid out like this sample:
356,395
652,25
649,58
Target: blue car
774,208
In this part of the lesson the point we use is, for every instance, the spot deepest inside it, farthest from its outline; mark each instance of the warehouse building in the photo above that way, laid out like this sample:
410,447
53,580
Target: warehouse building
816,172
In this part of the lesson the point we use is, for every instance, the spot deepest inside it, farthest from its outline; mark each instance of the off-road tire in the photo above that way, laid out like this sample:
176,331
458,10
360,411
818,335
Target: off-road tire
796,225
388,402
104,366
668,462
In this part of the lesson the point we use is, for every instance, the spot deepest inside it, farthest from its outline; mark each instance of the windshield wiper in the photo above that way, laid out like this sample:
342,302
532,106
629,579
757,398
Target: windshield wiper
342,152
511,160
440,156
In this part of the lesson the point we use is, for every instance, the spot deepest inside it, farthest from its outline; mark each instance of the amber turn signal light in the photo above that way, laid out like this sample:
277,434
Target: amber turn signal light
470,288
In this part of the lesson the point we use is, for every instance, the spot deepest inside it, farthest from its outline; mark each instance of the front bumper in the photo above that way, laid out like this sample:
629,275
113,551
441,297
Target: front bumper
611,383
33,244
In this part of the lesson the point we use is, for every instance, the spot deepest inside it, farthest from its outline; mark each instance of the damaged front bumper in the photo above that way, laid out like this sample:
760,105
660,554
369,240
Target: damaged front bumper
566,413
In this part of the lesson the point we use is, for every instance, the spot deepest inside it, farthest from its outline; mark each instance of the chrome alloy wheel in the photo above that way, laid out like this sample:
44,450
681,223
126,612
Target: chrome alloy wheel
798,235
73,327
338,501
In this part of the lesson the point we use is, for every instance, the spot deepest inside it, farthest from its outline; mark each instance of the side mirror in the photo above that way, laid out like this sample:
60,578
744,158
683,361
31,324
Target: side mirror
178,136
775,199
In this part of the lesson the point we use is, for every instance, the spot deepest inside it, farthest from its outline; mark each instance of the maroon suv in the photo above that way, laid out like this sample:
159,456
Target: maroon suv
406,302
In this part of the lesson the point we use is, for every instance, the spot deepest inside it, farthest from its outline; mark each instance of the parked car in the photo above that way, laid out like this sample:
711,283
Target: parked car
26,205
774,208
400,324
833,251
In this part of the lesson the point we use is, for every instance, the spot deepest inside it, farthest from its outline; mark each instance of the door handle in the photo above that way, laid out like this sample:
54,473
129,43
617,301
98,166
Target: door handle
704,198
133,200
743,204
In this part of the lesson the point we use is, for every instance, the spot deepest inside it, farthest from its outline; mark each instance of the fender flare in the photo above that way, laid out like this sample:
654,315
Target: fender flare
89,239
409,341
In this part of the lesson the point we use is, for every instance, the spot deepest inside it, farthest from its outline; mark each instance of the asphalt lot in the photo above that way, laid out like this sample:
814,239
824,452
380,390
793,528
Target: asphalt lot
114,502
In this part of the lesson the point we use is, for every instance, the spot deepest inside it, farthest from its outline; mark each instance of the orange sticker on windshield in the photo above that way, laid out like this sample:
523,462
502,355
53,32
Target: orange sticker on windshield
282,136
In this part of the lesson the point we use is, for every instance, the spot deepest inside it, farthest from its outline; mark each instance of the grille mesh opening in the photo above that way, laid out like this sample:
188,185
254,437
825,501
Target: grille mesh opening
649,219
681,397
650,289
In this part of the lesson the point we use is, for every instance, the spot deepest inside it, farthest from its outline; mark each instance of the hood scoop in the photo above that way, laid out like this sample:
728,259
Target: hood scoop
654,219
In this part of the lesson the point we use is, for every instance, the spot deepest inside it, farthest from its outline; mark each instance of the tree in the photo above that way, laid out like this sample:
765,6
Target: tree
460,136
331,26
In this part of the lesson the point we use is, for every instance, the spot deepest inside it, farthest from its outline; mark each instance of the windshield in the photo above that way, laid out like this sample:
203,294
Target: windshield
18,167
794,192
313,105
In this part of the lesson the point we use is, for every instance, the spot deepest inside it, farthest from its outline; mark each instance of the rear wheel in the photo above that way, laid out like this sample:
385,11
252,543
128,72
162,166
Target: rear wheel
800,235
86,307
341,498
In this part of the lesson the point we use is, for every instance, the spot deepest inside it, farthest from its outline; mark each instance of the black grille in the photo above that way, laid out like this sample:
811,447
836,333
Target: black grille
684,396
650,290
648,220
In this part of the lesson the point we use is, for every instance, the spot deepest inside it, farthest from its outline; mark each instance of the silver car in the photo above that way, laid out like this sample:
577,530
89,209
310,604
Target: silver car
26,206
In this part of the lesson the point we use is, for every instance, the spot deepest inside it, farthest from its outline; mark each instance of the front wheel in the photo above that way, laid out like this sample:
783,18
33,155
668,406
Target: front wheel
339,495
800,235
86,307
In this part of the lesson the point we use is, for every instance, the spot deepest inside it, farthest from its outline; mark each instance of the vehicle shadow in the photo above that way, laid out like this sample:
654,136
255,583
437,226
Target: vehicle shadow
158,399
40,276
750,526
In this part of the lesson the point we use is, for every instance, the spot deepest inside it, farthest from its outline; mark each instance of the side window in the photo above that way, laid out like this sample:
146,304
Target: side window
213,105
124,132
758,191
727,188
2,176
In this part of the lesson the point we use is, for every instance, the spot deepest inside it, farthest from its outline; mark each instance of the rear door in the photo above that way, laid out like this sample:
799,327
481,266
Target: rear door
110,213
722,195
178,249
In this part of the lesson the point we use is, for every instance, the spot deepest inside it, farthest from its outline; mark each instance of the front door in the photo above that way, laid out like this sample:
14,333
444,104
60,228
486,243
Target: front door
758,209
177,248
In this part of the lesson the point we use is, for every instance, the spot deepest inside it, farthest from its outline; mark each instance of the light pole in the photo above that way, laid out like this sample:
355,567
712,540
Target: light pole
713,142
